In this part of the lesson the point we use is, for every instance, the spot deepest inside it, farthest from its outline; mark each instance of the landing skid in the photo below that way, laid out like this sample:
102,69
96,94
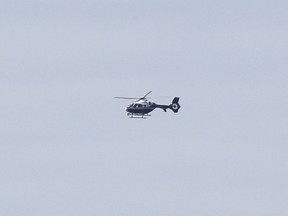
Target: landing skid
140,116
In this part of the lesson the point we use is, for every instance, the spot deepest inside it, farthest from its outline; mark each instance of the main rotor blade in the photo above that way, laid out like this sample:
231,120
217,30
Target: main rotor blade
138,99
126,98
146,95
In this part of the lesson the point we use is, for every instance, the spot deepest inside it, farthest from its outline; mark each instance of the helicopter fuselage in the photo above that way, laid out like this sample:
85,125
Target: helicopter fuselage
141,107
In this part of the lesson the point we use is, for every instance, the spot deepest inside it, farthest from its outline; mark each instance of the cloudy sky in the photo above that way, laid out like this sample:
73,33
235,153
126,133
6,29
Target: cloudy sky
68,148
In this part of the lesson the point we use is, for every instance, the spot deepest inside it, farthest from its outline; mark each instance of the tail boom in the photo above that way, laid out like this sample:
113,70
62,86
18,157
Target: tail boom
174,106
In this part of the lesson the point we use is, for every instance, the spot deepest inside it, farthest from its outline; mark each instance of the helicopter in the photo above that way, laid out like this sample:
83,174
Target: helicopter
142,107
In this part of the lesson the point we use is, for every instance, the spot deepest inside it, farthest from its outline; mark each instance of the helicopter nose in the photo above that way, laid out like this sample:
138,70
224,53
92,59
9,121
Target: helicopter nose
127,109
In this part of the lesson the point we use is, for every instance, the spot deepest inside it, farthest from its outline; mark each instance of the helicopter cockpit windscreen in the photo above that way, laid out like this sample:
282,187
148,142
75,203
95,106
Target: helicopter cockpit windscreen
130,106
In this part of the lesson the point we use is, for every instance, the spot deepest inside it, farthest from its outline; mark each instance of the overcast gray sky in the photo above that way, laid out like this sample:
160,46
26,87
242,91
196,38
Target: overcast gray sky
68,148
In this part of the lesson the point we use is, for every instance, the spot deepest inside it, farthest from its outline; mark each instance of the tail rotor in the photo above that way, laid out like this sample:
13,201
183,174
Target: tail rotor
175,106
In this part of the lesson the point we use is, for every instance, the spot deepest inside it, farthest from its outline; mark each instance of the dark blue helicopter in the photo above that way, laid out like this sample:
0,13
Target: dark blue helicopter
141,107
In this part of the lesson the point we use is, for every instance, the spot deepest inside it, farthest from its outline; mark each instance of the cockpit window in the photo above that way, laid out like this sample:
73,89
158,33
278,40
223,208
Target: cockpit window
135,105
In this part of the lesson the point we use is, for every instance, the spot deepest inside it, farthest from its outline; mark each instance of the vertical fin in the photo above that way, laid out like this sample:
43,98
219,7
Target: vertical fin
175,106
